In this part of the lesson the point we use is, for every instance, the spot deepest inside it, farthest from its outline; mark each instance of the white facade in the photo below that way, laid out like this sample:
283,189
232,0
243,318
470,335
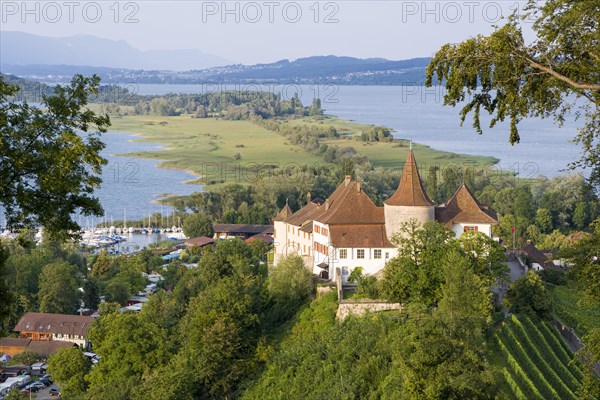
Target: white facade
371,260
462,227
290,239
77,339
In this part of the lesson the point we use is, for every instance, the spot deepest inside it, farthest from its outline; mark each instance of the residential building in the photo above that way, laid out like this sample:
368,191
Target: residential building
54,327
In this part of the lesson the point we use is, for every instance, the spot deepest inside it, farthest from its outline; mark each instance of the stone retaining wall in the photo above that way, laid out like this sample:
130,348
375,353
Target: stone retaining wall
349,307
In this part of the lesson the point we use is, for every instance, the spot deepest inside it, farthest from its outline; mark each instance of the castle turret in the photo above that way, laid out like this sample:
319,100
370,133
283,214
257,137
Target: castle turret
409,201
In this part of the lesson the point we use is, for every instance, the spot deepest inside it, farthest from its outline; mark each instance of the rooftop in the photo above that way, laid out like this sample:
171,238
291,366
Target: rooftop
410,190
464,207
54,323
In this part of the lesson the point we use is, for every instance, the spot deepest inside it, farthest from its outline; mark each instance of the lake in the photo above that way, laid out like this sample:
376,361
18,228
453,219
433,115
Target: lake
130,186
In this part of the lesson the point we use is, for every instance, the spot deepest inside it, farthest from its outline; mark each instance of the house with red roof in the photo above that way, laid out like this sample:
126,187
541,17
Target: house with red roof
348,230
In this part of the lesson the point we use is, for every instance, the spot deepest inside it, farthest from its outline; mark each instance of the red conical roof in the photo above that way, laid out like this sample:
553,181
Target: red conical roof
410,191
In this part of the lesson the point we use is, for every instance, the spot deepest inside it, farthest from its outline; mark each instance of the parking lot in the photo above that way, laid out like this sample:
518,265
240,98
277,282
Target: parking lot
44,393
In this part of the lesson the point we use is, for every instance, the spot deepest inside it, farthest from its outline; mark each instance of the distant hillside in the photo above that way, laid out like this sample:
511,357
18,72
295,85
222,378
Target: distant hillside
310,70
19,48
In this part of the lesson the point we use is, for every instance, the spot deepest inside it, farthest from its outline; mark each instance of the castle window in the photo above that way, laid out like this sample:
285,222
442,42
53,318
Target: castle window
376,253
343,253
360,253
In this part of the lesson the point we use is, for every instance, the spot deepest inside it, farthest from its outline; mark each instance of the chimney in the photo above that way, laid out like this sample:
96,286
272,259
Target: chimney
358,186
347,180
308,197
326,204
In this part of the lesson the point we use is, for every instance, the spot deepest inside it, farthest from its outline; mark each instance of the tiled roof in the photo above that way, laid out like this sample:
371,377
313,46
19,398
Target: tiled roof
357,235
54,323
285,212
348,204
199,241
14,342
536,256
242,228
46,348
410,190
463,207
308,227
268,239
305,214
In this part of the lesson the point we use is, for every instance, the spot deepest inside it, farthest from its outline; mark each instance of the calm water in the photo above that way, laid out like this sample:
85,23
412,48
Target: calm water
418,113
131,185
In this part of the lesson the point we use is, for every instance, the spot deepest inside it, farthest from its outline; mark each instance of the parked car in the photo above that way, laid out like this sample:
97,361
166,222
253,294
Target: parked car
47,377
54,392
45,381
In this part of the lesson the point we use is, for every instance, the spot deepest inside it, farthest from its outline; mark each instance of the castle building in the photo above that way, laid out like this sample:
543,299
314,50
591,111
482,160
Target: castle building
348,230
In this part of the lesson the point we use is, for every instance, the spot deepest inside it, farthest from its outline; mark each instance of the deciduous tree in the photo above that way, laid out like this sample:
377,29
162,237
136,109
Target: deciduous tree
512,79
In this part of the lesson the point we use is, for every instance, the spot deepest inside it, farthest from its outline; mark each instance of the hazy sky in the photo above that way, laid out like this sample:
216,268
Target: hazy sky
265,31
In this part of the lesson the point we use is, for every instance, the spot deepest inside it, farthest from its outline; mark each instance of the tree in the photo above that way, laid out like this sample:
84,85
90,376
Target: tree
197,225
290,283
414,274
117,291
26,357
445,361
543,219
464,294
580,215
128,344
50,155
583,257
528,296
486,257
221,335
58,289
68,367
509,78
16,394
91,294
432,182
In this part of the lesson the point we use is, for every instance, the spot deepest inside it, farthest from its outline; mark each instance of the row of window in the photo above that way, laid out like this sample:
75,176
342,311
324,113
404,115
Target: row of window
360,254
61,336
342,253
321,248
322,231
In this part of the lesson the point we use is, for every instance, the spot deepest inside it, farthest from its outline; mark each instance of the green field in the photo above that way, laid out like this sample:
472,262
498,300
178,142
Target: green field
536,362
208,146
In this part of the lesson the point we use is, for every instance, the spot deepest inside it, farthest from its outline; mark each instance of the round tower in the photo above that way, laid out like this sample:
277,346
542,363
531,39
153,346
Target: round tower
409,201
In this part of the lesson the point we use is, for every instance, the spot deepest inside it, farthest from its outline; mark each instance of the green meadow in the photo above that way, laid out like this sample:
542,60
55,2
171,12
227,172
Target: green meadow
206,146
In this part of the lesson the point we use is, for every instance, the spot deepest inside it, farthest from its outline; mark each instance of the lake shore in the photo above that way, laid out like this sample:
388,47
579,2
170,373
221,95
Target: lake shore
218,151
